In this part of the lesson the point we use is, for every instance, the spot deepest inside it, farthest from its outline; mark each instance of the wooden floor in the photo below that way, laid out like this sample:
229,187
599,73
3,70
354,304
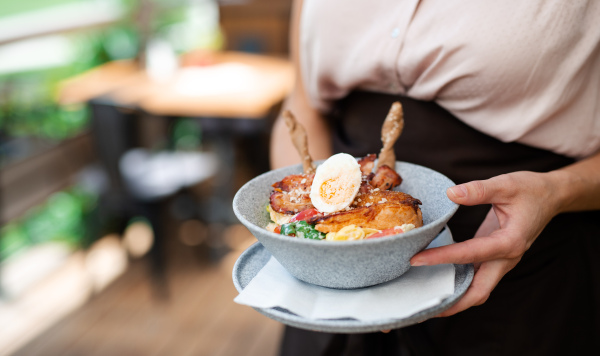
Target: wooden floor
198,318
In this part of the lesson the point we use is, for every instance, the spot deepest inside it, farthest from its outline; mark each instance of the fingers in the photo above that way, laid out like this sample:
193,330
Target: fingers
489,224
484,281
478,249
490,191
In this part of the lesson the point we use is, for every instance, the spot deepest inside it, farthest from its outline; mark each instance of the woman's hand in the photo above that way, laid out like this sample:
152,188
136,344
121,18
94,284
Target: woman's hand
522,205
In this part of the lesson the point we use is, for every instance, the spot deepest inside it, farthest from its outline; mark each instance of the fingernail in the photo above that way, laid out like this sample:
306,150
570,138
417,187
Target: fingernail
459,191
416,263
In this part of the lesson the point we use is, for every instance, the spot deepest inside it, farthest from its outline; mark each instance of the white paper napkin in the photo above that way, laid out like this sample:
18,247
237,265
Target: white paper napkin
418,289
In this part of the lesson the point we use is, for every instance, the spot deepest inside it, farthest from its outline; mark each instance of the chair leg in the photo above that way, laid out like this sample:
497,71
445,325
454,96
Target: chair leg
157,254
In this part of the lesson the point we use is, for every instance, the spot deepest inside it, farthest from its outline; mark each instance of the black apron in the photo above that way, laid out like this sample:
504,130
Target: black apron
548,304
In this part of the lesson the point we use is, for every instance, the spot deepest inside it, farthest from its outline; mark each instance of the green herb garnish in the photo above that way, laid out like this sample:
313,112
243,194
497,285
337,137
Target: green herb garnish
302,229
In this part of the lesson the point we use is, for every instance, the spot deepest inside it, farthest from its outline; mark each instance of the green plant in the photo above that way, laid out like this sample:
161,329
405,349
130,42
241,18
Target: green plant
62,218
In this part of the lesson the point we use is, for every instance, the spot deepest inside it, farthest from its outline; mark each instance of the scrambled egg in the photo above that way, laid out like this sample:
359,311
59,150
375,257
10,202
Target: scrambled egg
278,218
351,232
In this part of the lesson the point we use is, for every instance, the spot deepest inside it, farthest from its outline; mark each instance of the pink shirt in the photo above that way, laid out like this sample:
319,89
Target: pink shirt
518,70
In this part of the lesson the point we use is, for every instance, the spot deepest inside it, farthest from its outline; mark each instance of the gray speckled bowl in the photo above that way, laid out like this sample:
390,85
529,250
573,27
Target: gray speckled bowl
349,264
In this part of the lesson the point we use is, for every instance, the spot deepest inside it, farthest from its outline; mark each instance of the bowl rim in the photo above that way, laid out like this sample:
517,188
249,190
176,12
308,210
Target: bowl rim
383,239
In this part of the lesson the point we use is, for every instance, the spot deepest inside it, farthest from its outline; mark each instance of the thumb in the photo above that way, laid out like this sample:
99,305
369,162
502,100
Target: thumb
476,192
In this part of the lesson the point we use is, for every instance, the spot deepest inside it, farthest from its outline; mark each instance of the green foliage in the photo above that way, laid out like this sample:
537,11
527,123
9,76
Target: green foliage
8,8
13,238
61,218
187,134
27,99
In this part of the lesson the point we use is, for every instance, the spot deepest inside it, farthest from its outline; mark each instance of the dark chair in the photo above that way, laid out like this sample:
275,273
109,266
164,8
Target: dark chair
142,181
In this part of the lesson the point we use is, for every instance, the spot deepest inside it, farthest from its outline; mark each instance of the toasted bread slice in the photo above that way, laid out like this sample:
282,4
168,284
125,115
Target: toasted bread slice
379,216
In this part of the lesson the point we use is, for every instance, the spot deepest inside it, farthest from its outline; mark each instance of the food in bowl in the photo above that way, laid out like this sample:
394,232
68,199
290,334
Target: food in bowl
348,264
344,198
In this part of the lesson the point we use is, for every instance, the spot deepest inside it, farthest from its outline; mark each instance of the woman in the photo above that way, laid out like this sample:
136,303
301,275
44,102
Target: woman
502,97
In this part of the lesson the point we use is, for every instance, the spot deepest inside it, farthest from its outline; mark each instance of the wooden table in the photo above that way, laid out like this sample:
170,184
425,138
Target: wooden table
231,93
266,81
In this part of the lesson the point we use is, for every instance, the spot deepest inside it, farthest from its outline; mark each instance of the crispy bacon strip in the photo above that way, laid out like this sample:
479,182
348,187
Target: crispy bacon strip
385,178
286,203
367,163
300,141
365,186
379,216
295,181
390,131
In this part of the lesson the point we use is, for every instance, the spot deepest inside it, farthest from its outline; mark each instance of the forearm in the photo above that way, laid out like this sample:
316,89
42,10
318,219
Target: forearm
578,185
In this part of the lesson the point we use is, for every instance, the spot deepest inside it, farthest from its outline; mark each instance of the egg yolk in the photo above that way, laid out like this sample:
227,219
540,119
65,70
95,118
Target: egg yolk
333,192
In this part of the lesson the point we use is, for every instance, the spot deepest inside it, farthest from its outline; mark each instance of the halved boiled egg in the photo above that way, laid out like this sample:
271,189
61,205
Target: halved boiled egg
336,183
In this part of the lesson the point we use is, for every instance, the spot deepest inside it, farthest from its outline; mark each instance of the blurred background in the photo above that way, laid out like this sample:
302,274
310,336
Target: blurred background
126,127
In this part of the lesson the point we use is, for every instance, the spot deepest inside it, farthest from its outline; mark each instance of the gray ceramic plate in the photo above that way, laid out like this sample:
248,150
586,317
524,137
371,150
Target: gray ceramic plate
256,256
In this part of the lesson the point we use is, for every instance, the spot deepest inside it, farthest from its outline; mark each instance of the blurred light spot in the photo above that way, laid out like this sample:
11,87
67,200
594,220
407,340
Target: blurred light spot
105,261
24,270
217,79
192,232
238,237
138,238
21,56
